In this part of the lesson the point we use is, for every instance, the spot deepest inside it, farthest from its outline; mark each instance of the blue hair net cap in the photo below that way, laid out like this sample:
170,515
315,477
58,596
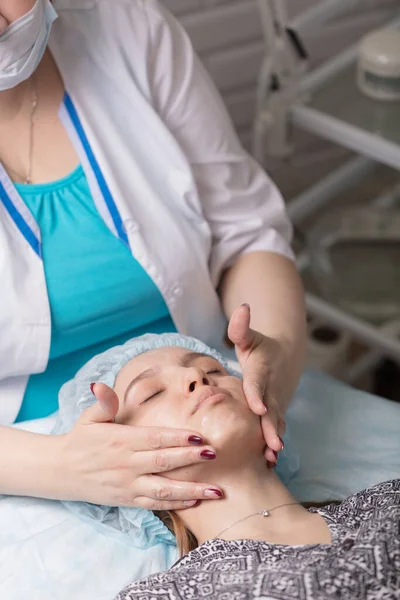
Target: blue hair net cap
139,527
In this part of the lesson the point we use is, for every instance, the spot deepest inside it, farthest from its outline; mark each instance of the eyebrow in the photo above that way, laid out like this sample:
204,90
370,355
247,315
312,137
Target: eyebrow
147,374
185,360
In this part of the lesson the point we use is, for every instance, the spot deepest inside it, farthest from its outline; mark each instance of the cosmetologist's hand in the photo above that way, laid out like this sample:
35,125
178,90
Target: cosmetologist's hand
118,465
257,356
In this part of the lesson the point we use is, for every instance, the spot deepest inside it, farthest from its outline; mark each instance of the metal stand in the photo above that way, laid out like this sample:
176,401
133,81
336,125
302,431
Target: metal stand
280,105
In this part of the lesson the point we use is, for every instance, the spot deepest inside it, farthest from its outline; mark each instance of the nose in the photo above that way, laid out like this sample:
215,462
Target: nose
195,378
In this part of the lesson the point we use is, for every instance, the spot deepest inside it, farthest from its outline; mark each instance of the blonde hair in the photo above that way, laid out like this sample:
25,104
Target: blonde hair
185,539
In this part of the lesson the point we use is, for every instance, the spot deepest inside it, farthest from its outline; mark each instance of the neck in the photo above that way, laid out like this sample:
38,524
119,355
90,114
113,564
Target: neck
247,491
12,101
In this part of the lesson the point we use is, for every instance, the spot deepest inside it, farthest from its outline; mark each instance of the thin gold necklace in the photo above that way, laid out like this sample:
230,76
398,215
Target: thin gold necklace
27,179
261,513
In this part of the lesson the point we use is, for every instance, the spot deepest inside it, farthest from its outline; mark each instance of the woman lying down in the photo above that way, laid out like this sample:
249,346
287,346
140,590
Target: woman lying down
257,542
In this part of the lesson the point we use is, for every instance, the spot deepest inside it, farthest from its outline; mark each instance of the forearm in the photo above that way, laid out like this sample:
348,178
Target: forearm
28,464
270,284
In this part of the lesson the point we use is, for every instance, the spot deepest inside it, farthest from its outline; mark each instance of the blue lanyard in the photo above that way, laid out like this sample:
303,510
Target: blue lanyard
21,215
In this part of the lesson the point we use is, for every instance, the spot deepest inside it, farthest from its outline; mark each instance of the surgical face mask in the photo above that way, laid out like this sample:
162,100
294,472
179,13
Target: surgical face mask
23,43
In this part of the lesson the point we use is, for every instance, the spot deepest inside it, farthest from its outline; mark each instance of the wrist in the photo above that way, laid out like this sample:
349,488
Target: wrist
51,479
285,367
58,469
30,464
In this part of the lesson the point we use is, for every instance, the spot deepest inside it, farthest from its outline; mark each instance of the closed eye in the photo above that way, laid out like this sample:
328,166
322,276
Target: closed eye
152,396
214,371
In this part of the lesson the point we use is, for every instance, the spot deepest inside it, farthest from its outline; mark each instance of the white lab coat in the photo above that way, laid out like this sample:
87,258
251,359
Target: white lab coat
188,198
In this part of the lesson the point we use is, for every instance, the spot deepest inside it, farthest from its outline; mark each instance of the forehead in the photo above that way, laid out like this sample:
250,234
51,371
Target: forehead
160,356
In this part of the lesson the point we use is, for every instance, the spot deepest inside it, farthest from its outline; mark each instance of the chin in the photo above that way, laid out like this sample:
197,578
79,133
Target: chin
237,438
232,431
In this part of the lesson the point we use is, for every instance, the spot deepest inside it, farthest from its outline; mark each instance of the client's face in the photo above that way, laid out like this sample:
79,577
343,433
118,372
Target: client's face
173,387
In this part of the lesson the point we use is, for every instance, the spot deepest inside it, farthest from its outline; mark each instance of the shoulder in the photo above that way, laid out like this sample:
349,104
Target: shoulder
160,584
188,571
381,501
134,25
147,9
90,4
381,496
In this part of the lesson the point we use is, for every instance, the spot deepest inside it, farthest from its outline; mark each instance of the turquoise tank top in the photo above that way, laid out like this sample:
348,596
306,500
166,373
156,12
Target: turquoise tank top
99,294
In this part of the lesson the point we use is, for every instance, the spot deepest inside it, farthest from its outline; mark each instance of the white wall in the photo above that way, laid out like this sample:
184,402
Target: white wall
227,36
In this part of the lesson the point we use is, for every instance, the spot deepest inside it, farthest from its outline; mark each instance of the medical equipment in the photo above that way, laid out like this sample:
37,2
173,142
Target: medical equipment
309,100
327,349
355,258
48,552
283,66
378,70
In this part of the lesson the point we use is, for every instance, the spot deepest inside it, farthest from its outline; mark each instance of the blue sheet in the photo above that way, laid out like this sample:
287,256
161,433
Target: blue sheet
347,440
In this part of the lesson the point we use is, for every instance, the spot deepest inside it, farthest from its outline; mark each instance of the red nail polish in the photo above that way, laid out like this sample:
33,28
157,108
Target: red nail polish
195,440
281,441
216,492
270,465
275,454
208,454
91,387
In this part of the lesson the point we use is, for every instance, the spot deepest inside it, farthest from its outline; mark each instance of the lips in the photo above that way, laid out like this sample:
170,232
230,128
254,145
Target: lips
207,393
